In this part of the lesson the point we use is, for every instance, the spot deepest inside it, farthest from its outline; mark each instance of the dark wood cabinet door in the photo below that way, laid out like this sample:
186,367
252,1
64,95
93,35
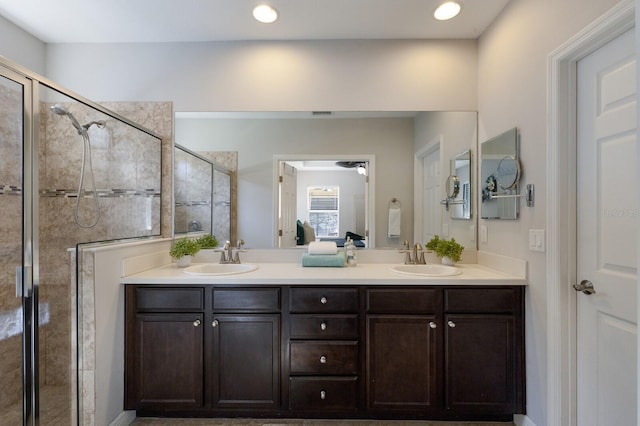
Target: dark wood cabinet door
480,363
402,357
246,360
166,369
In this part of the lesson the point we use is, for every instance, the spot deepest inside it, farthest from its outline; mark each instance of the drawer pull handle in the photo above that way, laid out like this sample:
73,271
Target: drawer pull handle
452,324
214,323
432,324
323,359
323,395
196,323
323,300
323,326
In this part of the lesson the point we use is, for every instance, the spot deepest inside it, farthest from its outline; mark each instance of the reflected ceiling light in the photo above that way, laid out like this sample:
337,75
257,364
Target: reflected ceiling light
447,10
362,170
265,13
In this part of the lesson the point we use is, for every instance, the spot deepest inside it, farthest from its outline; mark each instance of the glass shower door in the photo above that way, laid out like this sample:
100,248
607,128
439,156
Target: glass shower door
15,337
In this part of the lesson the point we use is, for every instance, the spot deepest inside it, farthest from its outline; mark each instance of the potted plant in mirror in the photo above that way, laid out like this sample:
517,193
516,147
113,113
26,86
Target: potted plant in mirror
182,250
208,244
448,250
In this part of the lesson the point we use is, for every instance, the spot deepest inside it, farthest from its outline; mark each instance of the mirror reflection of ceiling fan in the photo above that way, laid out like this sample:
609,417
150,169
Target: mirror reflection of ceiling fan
360,166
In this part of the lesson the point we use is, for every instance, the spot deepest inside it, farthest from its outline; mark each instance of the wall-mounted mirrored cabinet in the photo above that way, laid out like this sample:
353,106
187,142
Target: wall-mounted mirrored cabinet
499,176
459,186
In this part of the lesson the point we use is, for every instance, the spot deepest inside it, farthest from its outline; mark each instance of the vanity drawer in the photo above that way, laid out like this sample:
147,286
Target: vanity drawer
481,300
249,299
323,327
323,393
324,357
401,301
324,300
169,299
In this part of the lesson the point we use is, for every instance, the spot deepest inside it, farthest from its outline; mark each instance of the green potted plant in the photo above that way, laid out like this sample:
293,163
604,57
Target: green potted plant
207,241
182,250
448,250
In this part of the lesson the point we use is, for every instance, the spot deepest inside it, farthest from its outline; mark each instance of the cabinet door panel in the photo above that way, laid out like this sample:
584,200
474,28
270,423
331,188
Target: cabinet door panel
402,362
246,358
480,362
167,366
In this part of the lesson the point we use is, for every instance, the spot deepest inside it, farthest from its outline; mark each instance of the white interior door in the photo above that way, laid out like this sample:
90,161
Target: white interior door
607,223
288,205
431,196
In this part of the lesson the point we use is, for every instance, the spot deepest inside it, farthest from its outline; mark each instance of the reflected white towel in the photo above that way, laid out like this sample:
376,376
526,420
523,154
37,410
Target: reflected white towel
323,247
395,216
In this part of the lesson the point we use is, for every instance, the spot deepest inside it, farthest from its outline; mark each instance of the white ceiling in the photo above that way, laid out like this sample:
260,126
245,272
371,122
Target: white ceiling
114,21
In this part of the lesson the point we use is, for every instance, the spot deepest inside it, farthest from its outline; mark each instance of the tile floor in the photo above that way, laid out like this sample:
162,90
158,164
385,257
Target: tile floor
300,422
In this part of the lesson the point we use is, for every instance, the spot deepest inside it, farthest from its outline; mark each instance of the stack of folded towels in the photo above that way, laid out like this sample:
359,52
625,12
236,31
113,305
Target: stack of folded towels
323,253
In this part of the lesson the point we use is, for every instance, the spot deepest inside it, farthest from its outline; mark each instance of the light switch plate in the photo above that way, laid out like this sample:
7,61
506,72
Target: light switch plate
536,240
483,234
445,229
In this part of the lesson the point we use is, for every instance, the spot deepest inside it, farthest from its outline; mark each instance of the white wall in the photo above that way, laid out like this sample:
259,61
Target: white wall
348,75
21,47
512,91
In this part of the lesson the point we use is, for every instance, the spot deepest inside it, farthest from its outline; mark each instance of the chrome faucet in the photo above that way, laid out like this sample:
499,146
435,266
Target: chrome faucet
413,256
229,254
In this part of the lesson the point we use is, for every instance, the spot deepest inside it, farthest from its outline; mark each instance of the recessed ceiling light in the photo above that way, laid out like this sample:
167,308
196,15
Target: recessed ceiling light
265,13
447,10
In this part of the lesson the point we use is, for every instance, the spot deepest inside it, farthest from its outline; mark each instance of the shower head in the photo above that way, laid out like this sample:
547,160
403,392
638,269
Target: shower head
60,110
99,123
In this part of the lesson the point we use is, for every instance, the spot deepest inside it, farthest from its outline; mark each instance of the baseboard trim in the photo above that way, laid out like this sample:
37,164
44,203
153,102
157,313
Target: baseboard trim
522,420
124,419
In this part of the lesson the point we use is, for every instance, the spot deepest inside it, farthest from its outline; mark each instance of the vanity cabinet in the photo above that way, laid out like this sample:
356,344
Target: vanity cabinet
398,352
484,350
194,349
246,348
324,350
404,343
165,340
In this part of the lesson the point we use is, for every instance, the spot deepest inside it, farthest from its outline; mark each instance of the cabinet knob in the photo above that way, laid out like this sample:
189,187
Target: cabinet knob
323,326
196,323
323,395
214,323
323,300
323,359
451,324
432,324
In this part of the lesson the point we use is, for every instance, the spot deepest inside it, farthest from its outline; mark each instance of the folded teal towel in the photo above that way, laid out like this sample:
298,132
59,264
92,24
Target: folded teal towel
327,260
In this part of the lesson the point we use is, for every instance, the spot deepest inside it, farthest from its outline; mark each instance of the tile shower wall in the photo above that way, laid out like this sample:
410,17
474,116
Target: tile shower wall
192,190
224,193
126,165
10,245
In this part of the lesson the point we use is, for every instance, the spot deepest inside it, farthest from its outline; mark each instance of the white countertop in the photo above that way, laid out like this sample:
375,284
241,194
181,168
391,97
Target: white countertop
295,274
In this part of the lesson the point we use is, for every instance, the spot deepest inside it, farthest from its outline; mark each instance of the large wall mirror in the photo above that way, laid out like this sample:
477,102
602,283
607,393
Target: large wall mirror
499,176
384,142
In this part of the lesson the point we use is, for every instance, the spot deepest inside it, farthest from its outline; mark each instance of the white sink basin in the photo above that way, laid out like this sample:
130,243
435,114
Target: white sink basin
220,268
431,270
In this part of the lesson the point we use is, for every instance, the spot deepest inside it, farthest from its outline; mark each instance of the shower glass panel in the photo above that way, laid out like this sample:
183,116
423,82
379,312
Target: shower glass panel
193,183
221,204
11,248
99,181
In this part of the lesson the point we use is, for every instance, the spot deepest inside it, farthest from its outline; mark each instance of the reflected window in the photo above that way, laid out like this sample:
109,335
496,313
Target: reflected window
324,210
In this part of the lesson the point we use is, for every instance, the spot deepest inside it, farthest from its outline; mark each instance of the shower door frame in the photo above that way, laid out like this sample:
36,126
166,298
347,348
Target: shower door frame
27,272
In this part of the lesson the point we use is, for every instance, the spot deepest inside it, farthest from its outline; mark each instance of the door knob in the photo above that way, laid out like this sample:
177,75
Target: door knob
586,287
